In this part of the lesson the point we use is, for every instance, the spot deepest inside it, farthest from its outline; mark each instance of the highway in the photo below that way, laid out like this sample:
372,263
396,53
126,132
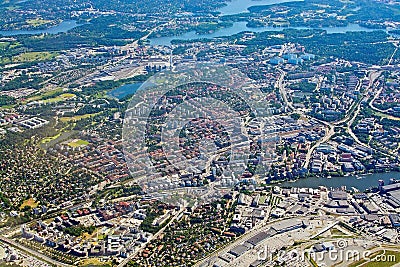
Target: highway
348,119
282,90
372,81
96,71
350,123
326,138
394,53
33,253
330,126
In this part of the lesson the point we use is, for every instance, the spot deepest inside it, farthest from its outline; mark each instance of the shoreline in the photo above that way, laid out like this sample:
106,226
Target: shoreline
362,182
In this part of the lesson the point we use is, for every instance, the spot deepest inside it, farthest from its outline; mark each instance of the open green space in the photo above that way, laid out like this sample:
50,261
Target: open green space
34,56
4,45
37,22
58,138
30,203
45,95
78,143
382,258
77,118
59,98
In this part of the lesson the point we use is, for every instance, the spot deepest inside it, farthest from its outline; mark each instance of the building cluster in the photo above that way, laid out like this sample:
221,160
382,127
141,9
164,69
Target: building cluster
227,258
33,123
111,230
297,202
19,93
101,156
196,232
370,213
179,168
16,122
336,94
14,256
294,139
387,99
249,212
380,137
54,184
9,118
291,59
334,158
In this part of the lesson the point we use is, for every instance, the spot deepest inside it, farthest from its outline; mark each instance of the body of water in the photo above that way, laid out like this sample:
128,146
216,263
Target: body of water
124,90
238,27
361,182
241,6
62,27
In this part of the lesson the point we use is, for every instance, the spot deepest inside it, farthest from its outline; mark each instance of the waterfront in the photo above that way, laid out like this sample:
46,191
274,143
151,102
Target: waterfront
240,6
361,182
238,27
64,26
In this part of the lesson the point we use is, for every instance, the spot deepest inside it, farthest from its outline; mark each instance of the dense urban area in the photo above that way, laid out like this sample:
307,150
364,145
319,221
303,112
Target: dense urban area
329,75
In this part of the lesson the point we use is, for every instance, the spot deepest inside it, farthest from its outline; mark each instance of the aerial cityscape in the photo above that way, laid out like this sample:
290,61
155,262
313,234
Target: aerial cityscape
176,133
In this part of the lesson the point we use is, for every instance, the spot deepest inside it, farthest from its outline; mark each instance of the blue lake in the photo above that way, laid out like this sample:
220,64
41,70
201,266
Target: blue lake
62,27
124,90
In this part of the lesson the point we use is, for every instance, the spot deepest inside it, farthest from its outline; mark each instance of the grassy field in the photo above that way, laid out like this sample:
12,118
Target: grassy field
385,259
37,22
94,262
78,143
34,56
337,232
5,60
77,118
15,45
59,98
7,107
382,258
4,45
47,94
52,140
30,203
262,199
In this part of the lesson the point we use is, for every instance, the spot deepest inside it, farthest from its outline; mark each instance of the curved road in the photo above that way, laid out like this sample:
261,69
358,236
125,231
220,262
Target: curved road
348,119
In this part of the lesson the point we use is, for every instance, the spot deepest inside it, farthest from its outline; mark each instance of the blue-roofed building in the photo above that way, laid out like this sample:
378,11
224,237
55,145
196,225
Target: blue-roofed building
295,61
276,61
289,56
308,56
395,220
